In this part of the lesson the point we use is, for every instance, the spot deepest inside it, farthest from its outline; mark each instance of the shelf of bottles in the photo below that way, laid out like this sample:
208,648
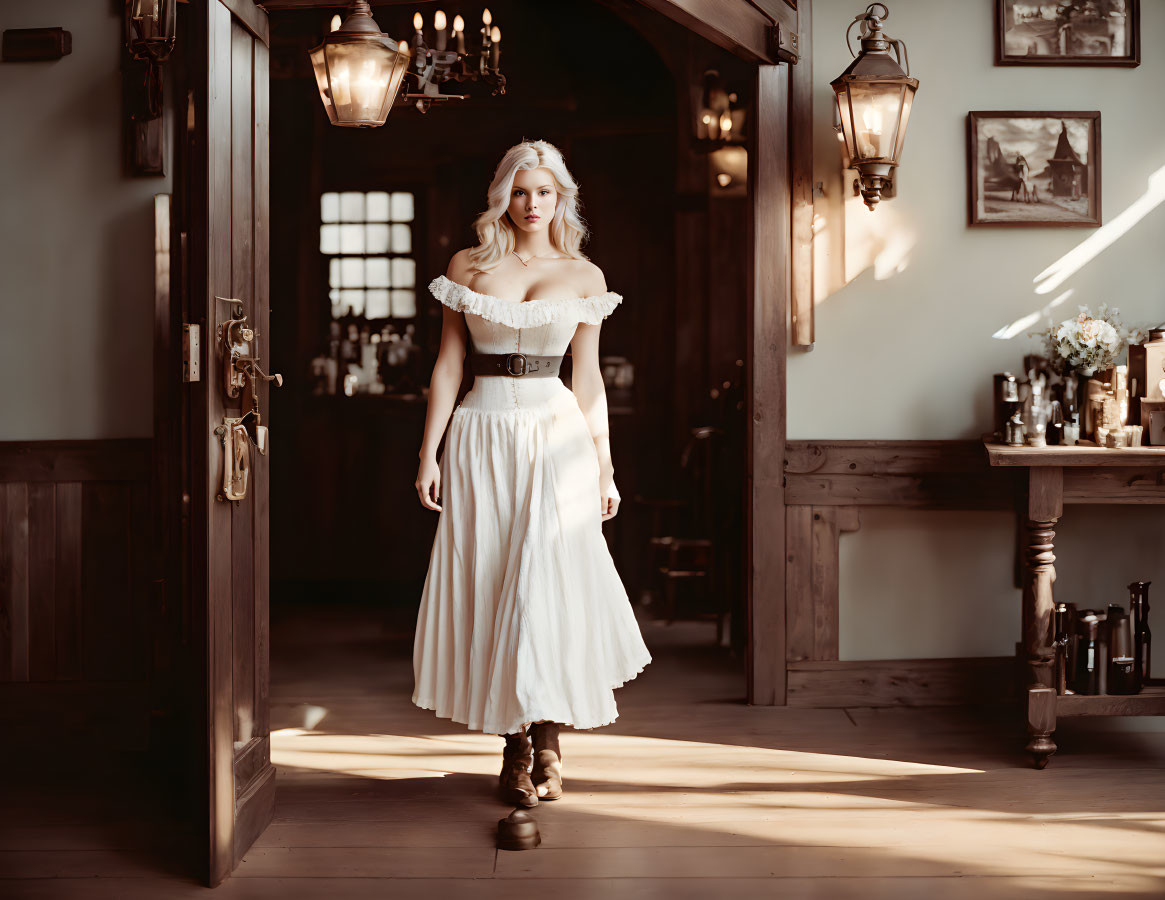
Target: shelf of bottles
1103,659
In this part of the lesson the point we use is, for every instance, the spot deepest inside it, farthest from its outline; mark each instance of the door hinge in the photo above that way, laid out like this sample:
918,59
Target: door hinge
784,45
191,352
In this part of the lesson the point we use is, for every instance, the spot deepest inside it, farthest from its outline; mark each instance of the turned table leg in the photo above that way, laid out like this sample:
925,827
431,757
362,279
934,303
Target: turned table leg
1044,508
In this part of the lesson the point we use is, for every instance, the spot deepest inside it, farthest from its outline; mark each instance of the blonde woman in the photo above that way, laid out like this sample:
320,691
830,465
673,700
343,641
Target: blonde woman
524,621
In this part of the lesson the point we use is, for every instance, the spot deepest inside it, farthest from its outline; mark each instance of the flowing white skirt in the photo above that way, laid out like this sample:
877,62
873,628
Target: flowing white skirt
523,617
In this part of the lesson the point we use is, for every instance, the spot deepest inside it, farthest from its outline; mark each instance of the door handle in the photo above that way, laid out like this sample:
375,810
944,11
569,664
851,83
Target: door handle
236,467
236,337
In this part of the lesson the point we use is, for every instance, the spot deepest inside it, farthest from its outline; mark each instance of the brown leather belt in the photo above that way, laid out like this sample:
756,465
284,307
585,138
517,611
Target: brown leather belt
515,364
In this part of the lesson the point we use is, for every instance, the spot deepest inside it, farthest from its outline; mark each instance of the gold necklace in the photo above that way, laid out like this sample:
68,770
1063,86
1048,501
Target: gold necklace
522,261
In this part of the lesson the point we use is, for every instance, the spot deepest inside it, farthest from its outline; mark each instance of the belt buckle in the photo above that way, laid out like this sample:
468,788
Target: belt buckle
510,364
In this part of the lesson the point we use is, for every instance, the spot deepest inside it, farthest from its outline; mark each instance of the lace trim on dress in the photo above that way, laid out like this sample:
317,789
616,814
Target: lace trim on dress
525,314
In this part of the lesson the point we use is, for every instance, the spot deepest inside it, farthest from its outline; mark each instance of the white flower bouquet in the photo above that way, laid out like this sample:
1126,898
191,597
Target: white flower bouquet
1088,344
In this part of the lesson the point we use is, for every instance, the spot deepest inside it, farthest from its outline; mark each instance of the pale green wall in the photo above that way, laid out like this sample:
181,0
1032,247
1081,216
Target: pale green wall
76,258
905,351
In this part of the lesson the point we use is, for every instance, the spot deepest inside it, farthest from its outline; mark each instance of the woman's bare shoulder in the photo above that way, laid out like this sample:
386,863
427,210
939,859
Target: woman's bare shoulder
592,281
461,268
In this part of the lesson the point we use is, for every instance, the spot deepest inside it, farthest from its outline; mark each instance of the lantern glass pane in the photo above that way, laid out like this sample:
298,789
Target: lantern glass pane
907,102
377,206
334,272
843,111
375,238
402,206
321,73
376,304
400,64
360,72
402,239
876,106
404,304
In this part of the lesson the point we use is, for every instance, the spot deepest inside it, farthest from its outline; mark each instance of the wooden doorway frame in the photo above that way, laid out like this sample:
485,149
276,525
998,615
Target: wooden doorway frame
775,37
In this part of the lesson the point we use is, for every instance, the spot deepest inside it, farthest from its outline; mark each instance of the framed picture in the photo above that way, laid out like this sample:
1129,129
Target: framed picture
1067,33
1033,168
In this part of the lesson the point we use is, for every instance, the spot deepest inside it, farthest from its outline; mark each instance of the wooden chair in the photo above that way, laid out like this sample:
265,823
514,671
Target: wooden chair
682,546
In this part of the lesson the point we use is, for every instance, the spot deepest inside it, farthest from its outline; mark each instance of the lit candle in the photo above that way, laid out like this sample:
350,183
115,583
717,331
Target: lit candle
725,124
459,33
870,140
486,18
335,23
439,25
495,48
418,41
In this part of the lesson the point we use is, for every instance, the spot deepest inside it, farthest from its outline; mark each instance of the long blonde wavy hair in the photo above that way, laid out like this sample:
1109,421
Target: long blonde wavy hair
495,231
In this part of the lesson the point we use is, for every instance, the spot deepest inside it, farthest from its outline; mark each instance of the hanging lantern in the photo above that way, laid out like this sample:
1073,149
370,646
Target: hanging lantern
874,96
359,69
153,23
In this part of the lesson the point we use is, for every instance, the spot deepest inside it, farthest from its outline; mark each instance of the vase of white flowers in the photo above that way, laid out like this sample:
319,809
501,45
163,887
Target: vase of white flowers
1088,348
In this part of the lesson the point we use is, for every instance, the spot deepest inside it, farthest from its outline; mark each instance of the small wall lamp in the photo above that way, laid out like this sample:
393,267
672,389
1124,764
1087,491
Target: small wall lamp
874,96
148,37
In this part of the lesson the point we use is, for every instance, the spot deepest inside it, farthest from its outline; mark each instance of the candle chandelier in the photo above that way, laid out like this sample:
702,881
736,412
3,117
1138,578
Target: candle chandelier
362,73
433,66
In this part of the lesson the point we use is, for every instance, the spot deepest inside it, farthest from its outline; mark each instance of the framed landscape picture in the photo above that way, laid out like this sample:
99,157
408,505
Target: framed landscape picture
1067,32
1033,168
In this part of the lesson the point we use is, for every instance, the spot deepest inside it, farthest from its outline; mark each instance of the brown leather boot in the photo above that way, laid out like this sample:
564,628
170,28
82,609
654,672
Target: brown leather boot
514,781
547,772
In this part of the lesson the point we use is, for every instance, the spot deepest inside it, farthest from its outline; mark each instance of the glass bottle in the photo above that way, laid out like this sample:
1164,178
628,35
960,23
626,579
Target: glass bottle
1121,668
1142,636
1088,659
1060,645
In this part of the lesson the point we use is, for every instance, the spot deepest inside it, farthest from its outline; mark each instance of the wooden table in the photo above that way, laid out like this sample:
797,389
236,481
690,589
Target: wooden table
1071,474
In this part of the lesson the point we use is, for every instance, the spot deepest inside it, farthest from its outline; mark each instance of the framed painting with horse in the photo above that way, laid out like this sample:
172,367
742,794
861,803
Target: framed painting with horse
1033,168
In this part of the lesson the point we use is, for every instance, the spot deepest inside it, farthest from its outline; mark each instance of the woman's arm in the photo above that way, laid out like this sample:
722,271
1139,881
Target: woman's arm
587,385
443,387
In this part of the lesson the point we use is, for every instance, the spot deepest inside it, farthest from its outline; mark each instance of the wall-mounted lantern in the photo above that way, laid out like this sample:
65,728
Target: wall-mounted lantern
874,96
358,70
719,116
153,23
149,30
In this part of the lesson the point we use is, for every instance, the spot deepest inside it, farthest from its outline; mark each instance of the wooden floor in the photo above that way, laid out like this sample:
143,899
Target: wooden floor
691,794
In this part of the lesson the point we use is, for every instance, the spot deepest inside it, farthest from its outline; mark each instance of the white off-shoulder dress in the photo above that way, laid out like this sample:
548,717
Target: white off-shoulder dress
523,616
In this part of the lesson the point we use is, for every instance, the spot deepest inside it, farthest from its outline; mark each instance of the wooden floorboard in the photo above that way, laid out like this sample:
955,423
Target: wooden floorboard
690,794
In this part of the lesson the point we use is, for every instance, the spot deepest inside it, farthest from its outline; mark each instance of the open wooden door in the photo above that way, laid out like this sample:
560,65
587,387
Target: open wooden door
223,164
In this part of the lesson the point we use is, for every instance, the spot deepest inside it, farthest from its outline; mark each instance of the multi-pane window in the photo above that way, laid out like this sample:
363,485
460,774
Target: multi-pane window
368,239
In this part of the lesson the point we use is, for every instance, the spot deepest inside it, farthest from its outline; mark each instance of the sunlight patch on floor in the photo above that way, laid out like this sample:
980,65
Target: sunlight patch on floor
659,762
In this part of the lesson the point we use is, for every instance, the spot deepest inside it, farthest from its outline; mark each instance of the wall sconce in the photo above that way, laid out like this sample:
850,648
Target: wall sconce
149,32
153,23
874,96
358,70
720,115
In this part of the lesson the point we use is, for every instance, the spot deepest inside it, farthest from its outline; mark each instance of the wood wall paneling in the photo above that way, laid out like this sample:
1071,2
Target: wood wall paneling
919,474
75,560
902,682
